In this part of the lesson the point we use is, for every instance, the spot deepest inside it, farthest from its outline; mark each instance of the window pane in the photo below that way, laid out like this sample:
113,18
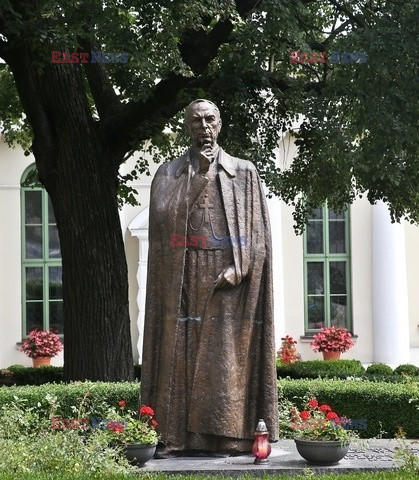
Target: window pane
334,215
337,273
33,207
34,316
315,278
56,316
33,247
337,236
51,216
315,312
55,283
317,214
314,237
34,283
338,311
54,242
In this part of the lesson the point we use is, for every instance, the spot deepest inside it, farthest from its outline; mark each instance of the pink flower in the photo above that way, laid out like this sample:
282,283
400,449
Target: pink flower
313,403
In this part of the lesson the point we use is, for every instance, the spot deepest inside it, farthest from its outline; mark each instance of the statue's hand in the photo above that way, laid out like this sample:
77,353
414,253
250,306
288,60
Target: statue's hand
205,157
227,278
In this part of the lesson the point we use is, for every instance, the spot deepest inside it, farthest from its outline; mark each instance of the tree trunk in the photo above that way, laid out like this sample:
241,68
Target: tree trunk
79,169
95,285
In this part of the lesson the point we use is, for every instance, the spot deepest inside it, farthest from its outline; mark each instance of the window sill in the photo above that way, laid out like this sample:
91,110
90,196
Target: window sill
309,338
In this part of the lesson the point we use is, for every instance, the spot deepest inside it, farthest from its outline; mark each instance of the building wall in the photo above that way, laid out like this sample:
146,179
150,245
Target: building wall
287,258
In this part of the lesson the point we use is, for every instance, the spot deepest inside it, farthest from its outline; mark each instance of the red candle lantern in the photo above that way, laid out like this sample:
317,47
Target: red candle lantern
261,446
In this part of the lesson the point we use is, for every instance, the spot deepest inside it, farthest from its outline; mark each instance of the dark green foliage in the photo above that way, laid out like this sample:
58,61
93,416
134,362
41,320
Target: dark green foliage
98,395
407,369
386,406
20,375
321,368
379,369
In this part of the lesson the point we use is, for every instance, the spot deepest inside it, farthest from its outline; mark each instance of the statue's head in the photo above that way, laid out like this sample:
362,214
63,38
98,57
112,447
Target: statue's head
203,122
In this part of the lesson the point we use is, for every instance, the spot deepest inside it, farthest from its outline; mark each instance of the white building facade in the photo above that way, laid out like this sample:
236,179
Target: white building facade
355,270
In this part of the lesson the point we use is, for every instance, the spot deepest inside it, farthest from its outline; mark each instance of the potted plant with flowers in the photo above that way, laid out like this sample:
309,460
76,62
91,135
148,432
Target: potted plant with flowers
321,435
134,431
332,341
41,346
288,352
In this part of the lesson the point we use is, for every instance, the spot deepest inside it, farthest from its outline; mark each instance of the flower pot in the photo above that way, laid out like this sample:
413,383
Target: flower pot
331,355
40,361
322,452
139,453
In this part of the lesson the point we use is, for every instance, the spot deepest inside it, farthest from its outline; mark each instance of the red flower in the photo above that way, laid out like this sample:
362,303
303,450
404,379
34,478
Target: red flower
325,408
154,423
122,403
332,415
313,403
116,427
147,411
305,415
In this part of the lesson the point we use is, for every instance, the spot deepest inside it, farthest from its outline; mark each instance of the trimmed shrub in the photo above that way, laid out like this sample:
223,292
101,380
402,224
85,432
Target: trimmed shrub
379,369
20,375
98,396
321,368
386,406
407,369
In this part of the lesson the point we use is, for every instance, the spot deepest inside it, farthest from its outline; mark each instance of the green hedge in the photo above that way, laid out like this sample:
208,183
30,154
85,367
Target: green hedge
321,368
394,405
98,395
20,375
386,406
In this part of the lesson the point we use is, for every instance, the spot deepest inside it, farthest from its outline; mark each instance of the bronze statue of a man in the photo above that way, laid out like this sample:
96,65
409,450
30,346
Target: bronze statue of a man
209,356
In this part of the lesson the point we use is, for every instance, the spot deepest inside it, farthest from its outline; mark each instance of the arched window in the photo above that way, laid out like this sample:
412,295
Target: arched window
42,298
327,270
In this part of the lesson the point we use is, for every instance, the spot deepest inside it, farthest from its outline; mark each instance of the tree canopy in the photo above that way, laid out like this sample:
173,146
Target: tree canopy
360,119
356,108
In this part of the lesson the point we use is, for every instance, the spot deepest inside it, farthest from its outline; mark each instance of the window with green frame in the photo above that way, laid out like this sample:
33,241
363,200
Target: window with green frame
327,270
42,298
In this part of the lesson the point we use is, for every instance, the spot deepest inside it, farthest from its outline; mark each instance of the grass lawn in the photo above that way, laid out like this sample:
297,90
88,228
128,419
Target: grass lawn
143,475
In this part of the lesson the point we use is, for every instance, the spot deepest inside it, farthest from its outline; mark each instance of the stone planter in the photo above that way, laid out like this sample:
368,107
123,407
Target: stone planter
139,453
322,452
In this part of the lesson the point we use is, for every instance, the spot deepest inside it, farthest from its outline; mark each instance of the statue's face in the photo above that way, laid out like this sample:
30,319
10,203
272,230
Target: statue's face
203,123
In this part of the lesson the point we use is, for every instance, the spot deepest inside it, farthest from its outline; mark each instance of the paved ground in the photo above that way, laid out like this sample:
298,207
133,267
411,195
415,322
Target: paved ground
376,455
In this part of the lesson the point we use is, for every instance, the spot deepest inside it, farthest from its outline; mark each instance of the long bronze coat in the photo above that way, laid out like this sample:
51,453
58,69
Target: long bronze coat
233,381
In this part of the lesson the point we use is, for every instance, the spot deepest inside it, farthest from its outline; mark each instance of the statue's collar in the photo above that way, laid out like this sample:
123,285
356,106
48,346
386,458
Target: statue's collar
224,160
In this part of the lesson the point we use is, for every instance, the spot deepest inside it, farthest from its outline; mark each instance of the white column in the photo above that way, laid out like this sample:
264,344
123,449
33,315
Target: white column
142,283
275,214
139,228
389,289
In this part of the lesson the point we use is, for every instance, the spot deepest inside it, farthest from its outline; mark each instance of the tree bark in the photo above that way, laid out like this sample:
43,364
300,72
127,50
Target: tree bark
79,170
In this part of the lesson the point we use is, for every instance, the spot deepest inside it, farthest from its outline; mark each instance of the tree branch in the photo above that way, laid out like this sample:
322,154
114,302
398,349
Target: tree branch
197,49
343,9
106,100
